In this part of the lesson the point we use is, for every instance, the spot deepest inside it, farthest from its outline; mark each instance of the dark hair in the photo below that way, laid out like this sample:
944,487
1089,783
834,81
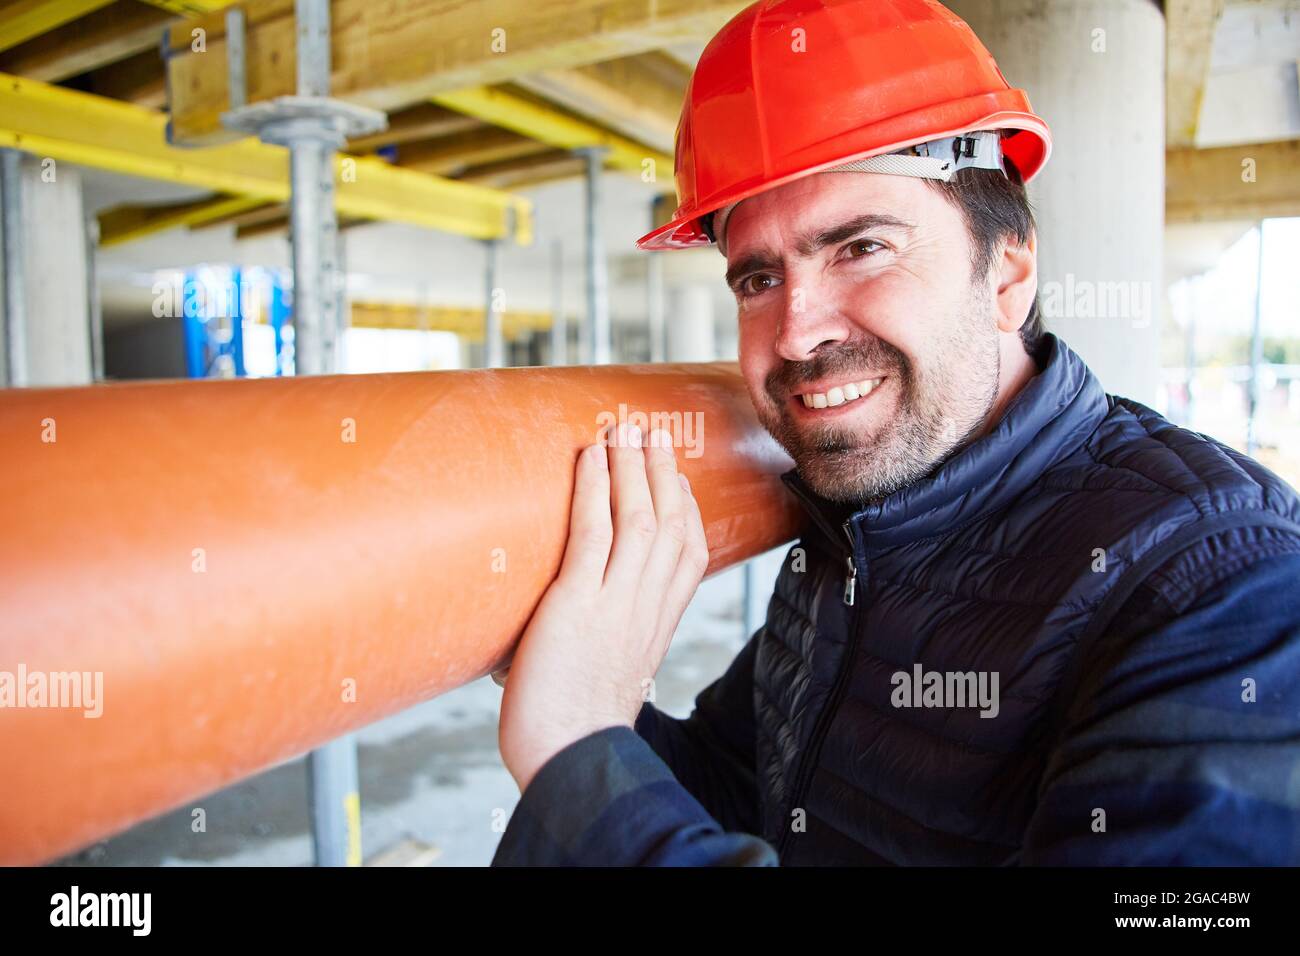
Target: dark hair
995,207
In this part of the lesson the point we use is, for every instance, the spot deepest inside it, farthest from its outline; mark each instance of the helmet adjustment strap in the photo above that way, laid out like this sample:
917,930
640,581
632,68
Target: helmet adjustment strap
936,159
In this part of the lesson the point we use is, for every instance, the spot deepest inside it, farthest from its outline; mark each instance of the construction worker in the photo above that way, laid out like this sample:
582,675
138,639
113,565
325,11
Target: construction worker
1028,621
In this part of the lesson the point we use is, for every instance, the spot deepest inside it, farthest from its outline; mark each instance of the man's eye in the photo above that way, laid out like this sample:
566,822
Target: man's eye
756,284
863,247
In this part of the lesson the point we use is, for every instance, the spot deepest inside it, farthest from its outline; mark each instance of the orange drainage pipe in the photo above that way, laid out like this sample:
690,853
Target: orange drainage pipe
235,572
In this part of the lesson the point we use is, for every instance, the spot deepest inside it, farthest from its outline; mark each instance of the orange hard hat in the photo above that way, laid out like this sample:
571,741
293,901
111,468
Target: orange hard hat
793,87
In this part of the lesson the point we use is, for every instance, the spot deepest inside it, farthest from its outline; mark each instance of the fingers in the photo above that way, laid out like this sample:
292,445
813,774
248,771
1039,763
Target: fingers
591,530
671,514
635,525
691,565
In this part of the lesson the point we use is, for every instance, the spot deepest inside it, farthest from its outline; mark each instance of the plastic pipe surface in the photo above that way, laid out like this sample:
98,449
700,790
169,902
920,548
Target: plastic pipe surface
207,578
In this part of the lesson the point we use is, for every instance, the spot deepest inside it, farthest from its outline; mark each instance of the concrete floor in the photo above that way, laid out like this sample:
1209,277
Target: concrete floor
431,773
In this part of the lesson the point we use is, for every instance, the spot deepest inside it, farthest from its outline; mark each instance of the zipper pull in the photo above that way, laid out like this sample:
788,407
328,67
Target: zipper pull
850,582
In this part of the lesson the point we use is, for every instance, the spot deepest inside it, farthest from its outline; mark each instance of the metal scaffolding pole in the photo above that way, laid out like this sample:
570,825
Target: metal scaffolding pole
654,296
94,306
342,310
753,601
559,327
335,802
313,227
598,330
13,342
1256,351
494,346
313,127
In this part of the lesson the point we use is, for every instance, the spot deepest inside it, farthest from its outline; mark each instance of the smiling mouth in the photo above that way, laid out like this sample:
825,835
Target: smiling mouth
844,394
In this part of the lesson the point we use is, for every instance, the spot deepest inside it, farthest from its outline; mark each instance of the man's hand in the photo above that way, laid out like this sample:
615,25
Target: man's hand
635,555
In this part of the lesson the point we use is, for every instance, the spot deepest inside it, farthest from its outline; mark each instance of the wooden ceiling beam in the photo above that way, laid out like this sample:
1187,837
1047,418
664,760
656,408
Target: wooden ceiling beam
637,96
452,155
116,32
402,52
1256,181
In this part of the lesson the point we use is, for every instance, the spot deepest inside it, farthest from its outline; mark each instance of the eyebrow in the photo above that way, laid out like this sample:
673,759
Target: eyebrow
810,244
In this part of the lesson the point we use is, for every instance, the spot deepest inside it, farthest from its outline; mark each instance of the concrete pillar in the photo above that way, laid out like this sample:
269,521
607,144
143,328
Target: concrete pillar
56,309
690,324
1094,69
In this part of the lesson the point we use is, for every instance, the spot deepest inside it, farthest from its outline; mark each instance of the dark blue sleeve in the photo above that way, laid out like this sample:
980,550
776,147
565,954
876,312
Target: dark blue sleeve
1184,748
608,800
712,752
664,795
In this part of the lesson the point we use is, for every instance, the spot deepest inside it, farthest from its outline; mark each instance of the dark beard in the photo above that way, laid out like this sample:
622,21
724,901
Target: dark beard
927,429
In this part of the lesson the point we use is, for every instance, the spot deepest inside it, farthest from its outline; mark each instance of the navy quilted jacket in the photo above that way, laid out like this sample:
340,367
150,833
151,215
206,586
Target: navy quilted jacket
1077,641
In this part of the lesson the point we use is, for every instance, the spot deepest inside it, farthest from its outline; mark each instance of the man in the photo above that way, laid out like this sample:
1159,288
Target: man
1029,622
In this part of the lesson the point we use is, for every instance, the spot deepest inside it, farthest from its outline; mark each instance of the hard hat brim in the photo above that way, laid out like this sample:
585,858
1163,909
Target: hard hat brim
1027,149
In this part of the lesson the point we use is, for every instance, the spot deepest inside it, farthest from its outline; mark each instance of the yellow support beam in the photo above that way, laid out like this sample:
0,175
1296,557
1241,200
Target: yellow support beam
528,117
76,127
463,320
124,223
22,20
190,8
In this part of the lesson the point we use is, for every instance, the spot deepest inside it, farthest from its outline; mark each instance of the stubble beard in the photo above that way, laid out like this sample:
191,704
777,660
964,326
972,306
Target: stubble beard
940,409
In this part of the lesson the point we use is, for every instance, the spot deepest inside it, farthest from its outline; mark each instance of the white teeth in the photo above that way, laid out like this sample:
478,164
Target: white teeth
840,394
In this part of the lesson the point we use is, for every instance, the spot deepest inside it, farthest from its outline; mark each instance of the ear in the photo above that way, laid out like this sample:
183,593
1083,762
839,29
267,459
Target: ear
1017,278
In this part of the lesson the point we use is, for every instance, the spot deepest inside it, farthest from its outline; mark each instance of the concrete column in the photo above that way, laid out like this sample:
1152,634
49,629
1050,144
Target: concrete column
1094,69
691,335
55,320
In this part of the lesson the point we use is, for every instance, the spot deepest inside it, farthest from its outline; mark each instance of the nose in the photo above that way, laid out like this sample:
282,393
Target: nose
809,320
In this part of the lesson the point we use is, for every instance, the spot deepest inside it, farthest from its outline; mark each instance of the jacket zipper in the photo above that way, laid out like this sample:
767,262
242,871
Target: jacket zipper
851,582
809,762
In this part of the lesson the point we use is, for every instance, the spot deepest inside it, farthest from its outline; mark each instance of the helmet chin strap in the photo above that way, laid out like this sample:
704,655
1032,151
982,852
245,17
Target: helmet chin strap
937,159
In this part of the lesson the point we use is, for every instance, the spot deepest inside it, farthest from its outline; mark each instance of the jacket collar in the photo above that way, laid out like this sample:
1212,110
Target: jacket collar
1051,417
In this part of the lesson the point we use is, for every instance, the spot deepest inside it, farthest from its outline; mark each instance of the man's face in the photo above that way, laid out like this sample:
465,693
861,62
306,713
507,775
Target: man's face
861,283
